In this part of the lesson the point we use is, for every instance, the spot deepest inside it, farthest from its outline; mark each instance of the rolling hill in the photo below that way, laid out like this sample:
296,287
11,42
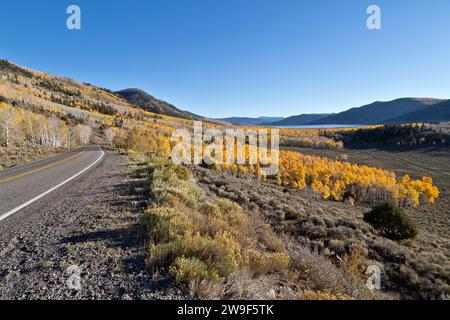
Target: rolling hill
378,112
62,111
439,112
149,103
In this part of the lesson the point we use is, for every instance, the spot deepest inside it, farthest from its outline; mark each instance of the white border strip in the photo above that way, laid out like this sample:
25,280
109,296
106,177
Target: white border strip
26,204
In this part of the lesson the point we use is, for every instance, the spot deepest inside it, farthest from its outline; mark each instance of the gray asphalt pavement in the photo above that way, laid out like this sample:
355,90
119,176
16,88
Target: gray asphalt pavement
21,185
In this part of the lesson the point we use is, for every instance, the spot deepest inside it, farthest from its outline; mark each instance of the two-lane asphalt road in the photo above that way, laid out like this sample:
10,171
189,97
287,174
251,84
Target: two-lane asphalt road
89,225
23,185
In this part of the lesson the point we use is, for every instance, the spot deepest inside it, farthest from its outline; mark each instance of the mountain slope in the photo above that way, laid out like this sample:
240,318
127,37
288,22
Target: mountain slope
378,112
300,119
149,103
43,92
439,112
250,121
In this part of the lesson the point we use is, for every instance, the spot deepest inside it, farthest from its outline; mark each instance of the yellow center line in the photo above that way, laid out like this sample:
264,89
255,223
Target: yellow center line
24,174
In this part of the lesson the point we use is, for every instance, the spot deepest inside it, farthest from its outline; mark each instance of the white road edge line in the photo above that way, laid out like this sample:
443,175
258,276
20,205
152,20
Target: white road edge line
26,204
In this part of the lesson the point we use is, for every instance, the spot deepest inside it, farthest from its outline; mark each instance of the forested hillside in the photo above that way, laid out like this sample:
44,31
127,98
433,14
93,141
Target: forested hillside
39,109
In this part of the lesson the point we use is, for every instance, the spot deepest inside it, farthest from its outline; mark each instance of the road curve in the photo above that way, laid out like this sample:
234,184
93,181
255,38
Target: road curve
23,185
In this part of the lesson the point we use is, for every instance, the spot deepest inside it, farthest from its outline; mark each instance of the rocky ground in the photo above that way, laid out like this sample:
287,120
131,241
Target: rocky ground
82,242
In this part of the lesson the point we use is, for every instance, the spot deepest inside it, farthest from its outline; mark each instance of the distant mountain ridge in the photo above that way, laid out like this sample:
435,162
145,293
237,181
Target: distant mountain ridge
80,99
65,94
402,110
439,112
149,103
250,121
299,120
378,112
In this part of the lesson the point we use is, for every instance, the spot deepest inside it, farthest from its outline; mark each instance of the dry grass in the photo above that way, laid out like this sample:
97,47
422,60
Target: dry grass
326,235
218,250
14,155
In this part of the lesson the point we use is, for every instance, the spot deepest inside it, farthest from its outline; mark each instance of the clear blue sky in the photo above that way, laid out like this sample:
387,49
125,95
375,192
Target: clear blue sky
240,57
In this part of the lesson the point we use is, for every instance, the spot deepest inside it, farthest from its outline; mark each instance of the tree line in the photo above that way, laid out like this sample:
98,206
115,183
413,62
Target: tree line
18,126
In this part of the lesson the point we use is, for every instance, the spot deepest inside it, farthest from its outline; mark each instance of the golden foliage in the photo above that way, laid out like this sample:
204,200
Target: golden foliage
338,180
333,179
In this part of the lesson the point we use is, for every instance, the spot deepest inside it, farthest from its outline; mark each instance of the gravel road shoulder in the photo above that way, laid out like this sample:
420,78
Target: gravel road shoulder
82,242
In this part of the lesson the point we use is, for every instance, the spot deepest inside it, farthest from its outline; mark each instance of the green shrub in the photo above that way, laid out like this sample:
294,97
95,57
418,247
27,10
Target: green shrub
260,263
164,224
391,222
209,209
228,207
198,241
171,183
221,255
187,270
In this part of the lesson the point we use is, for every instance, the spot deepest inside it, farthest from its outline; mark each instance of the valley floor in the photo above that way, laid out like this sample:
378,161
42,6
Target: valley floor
418,268
433,220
